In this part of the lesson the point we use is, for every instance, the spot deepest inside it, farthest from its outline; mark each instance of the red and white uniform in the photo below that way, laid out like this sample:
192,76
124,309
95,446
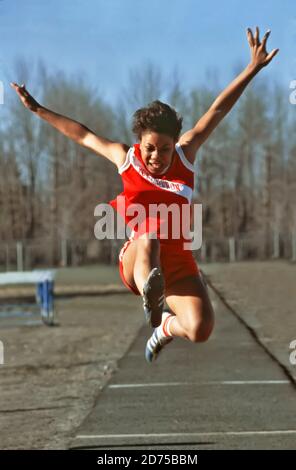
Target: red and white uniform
173,187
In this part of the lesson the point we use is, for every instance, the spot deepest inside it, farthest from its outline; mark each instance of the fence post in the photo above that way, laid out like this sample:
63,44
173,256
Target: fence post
204,252
19,256
114,251
231,244
64,253
276,244
294,246
7,257
1,353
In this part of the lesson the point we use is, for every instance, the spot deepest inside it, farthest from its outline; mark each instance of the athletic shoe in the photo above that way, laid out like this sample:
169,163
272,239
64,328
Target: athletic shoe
153,297
155,344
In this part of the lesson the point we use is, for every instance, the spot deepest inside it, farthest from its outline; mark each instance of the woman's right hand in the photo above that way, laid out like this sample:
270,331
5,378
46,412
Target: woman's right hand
25,97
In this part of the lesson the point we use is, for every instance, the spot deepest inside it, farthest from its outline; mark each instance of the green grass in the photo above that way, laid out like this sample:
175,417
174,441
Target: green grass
98,274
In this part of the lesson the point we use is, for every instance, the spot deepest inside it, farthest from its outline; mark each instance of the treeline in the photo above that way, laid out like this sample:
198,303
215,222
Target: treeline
49,186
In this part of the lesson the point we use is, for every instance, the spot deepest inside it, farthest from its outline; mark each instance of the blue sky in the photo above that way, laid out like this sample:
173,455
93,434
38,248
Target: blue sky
106,38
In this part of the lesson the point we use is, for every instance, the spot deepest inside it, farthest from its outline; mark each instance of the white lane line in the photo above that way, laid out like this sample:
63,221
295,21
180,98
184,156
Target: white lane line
223,382
190,434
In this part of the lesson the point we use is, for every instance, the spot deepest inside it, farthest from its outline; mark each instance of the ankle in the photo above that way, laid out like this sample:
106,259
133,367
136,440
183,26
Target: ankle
165,326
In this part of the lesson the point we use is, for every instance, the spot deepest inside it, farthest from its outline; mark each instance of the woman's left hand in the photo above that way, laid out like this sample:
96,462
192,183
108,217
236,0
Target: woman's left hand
259,57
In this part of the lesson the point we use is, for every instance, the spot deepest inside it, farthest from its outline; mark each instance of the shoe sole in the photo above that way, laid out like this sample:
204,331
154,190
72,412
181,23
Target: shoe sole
154,296
152,356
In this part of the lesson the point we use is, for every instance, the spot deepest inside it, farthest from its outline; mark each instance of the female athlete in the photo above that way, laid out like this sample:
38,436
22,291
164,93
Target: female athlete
159,169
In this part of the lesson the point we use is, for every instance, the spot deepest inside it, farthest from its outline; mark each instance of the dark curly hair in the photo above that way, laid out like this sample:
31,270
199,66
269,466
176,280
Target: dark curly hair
158,117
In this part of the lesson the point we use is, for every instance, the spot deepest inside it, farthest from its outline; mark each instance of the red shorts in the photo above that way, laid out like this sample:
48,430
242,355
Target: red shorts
176,263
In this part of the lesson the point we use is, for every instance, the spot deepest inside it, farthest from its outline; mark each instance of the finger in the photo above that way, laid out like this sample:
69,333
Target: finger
265,37
271,55
25,91
250,37
256,38
20,91
17,87
14,85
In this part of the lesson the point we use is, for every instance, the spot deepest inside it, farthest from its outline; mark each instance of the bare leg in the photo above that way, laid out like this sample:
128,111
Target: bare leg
141,256
147,258
189,301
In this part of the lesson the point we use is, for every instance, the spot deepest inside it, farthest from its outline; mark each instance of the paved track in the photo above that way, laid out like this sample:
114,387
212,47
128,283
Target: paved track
223,394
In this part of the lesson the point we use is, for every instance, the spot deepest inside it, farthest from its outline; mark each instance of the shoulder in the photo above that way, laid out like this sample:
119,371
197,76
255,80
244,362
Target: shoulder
121,154
125,158
181,151
190,143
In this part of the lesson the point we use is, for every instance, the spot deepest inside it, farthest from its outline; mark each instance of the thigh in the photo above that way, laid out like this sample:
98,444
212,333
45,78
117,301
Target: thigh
188,299
143,245
128,262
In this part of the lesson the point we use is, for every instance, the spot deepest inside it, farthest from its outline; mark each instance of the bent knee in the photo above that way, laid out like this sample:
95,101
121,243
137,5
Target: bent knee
200,331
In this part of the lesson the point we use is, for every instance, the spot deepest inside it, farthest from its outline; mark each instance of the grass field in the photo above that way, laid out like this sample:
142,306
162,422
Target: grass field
101,274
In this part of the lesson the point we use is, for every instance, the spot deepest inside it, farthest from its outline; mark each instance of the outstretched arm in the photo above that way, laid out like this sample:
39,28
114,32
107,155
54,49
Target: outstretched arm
113,151
194,138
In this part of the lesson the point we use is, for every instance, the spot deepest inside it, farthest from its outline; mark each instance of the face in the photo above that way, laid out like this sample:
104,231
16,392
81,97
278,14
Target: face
157,151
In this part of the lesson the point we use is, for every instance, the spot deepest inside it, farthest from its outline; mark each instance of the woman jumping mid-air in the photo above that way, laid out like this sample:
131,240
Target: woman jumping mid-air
159,169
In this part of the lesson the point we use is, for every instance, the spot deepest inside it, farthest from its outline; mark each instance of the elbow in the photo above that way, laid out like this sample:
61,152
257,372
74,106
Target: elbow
81,134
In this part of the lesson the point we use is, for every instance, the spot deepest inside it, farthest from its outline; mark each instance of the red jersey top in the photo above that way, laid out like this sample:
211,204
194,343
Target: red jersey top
165,199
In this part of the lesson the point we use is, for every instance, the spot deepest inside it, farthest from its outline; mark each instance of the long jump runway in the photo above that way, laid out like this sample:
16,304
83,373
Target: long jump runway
223,394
